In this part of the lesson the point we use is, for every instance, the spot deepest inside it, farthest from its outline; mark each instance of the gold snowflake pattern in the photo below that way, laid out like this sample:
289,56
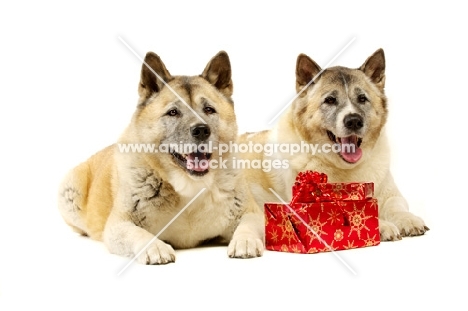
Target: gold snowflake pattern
335,217
284,248
355,196
317,226
274,235
357,219
338,235
342,203
287,229
370,241
328,248
337,195
360,187
295,249
302,209
349,245
312,250
337,187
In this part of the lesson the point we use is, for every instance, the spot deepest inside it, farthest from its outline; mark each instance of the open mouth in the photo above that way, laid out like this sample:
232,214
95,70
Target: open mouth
195,163
350,150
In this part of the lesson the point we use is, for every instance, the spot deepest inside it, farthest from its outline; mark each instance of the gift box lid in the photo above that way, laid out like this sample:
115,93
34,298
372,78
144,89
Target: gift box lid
311,186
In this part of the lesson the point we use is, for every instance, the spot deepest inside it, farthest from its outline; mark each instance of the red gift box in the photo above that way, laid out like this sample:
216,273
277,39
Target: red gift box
323,217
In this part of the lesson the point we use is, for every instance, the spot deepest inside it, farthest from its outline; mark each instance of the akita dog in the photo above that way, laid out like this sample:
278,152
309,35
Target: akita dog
347,109
126,198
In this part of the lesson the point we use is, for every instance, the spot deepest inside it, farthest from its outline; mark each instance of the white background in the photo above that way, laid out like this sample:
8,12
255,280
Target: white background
68,87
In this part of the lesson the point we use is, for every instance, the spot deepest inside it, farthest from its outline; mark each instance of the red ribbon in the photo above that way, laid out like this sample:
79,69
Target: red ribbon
306,182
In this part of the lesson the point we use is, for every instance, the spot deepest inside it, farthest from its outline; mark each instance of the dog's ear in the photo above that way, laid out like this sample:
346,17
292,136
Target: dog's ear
152,71
306,70
218,73
374,68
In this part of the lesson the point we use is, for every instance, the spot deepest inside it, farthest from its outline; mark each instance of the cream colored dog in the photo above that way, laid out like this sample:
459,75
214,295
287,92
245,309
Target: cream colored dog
125,198
345,109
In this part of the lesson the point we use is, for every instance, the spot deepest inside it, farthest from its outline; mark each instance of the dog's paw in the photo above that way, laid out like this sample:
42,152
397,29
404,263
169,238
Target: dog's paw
409,224
388,231
245,247
157,253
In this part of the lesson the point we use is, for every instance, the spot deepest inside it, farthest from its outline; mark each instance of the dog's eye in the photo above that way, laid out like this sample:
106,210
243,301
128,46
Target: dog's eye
362,98
330,100
209,110
173,113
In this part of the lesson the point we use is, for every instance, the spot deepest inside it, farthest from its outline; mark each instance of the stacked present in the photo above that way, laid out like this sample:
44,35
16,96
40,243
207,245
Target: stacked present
323,216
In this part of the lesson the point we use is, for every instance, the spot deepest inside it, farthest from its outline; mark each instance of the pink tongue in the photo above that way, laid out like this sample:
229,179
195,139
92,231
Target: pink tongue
349,150
197,162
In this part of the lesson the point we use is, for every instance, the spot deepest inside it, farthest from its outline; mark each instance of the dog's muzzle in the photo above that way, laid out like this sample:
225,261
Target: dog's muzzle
350,150
195,162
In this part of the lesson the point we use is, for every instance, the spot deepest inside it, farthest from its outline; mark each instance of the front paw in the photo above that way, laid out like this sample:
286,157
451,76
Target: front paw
388,231
409,224
157,253
245,247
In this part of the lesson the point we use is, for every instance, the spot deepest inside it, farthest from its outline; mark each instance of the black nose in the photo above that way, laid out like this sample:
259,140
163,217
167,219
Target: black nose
200,131
353,121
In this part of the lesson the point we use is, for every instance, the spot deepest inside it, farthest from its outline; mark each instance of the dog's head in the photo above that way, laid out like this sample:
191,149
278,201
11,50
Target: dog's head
341,106
185,116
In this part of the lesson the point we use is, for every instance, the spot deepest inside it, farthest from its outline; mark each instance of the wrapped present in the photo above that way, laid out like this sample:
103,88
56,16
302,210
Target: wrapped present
323,217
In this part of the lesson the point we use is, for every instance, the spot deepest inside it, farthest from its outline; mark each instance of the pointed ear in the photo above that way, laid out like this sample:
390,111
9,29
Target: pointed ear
306,70
218,73
374,68
149,82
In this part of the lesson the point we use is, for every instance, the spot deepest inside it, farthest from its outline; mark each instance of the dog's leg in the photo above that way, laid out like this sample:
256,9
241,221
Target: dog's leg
123,237
395,219
395,210
247,241
249,237
141,194
388,231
